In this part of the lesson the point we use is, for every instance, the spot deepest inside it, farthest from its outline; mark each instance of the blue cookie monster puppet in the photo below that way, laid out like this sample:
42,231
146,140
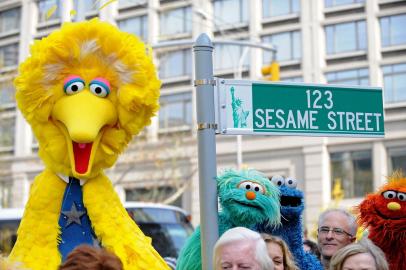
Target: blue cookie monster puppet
247,198
291,231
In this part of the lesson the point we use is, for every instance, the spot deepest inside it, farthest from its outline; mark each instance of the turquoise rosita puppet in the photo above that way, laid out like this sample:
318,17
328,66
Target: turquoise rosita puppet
86,90
291,230
247,197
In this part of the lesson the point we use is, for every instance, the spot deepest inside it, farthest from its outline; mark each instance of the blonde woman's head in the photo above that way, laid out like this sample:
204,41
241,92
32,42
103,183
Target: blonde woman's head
363,252
279,252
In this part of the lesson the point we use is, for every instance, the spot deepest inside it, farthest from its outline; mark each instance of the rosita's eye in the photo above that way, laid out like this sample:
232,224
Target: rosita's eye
390,194
73,85
258,188
100,87
248,185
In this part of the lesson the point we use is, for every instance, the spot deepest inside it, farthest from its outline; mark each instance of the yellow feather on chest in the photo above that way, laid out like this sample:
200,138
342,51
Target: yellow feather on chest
38,234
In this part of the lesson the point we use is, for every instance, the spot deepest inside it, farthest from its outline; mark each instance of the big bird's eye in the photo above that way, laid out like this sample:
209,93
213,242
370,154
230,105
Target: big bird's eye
73,85
278,180
402,196
100,87
290,182
389,194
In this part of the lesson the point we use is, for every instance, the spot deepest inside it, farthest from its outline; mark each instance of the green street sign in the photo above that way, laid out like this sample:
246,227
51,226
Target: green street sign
247,107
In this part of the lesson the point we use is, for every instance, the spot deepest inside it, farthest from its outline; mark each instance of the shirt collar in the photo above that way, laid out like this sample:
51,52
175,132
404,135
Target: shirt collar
65,178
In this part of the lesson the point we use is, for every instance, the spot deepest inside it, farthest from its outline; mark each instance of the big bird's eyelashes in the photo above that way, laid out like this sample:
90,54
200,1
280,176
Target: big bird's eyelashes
98,86
73,85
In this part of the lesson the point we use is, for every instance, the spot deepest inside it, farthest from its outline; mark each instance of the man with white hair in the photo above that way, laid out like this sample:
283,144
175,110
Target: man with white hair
241,248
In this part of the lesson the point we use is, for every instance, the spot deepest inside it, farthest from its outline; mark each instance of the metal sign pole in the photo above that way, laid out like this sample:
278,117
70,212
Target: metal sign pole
204,82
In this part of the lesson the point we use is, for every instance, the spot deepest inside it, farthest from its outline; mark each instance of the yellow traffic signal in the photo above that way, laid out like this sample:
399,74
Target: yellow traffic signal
271,72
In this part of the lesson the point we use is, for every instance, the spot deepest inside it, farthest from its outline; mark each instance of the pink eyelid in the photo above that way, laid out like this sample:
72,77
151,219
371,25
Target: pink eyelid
71,77
100,79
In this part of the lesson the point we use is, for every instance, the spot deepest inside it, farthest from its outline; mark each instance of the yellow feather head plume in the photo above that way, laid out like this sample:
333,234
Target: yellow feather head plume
88,49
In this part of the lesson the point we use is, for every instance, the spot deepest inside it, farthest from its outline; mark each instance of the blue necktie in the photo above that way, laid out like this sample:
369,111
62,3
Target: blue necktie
76,228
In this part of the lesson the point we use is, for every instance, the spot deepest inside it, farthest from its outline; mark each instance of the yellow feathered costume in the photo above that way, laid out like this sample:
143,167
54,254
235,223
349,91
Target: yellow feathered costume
81,128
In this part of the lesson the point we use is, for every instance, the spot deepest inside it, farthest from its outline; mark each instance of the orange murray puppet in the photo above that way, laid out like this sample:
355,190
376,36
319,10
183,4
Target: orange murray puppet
86,90
384,215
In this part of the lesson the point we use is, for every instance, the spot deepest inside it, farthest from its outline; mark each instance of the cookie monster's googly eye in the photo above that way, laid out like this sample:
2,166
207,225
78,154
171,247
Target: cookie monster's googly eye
278,180
99,88
402,196
290,182
73,85
389,194
258,188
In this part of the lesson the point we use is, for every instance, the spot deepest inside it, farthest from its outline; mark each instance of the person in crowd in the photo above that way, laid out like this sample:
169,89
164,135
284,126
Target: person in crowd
241,248
91,258
279,252
363,255
310,246
336,229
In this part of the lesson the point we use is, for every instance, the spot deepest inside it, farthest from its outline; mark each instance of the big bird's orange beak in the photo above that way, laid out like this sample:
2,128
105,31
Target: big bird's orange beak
82,117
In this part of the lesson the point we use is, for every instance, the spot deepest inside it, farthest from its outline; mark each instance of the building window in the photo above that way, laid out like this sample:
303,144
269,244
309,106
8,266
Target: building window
393,31
9,55
397,159
230,12
333,3
136,25
7,94
176,21
10,20
88,5
5,192
346,37
394,80
6,131
48,10
125,3
176,110
293,79
288,45
353,170
175,64
273,8
228,57
349,77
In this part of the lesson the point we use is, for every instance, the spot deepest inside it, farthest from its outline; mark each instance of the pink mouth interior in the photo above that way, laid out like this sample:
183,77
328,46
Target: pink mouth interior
81,153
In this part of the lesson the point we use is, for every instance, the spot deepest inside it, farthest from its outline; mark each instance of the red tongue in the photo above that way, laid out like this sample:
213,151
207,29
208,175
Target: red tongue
81,153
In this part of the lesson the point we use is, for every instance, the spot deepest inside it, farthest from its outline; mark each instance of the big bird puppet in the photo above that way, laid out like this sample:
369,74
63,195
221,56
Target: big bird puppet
384,215
86,89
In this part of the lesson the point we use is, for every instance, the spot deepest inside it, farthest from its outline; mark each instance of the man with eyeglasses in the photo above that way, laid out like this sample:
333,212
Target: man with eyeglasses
336,229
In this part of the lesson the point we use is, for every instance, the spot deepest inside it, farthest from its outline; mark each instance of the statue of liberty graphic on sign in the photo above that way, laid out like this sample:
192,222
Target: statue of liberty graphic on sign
239,114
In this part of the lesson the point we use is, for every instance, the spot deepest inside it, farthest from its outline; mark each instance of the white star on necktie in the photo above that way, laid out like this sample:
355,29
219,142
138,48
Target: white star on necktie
73,215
